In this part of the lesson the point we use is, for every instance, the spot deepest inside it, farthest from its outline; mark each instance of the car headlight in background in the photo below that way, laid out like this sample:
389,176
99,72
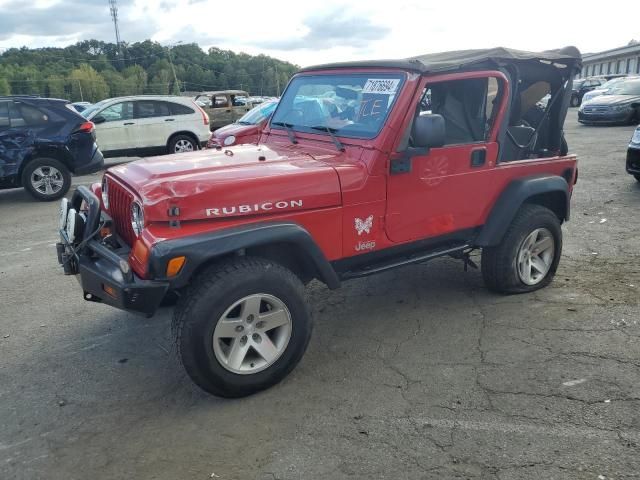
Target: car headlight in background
137,218
105,193
230,140
636,136
620,108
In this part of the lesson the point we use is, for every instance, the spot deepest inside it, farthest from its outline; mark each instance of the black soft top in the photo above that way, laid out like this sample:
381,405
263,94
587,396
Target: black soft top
567,58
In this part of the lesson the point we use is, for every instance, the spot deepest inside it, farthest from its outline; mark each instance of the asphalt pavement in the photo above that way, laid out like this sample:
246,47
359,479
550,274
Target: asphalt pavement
415,373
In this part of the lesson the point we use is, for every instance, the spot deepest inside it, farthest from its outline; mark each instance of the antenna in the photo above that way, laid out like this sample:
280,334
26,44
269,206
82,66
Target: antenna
113,6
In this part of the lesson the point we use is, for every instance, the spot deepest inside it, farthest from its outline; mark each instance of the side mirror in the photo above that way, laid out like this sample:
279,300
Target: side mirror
98,119
428,131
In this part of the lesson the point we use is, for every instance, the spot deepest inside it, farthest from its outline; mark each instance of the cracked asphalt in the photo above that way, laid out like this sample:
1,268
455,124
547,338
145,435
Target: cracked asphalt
418,373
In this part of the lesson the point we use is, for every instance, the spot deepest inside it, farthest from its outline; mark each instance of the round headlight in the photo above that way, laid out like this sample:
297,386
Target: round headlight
137,218
230,140
105,193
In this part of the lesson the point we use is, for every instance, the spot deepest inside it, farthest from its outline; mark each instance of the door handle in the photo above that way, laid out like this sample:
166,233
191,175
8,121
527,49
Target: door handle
169,119
130,123
478,157
229,110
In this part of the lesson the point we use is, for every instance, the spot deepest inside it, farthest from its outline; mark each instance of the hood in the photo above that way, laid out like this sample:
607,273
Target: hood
615,100
236,129
245,180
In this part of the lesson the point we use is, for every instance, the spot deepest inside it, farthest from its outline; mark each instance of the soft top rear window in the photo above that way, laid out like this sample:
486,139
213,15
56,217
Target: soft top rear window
352,105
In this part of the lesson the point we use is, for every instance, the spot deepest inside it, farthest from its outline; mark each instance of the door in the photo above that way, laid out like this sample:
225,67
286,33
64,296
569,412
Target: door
115,128
154,123
240,105
447,189
20,126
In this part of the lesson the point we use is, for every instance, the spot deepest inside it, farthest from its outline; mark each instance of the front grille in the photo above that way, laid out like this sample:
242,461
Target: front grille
120,200
595,109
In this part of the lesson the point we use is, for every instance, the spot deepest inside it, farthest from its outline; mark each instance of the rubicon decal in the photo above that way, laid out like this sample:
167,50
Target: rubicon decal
253,208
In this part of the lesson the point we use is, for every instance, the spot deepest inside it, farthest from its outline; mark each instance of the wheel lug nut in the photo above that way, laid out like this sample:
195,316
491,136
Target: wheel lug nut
239,328
257,338
259,324
250,319
243,339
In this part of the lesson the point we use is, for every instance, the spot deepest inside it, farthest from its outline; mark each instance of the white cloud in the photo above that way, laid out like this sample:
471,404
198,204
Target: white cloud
317,32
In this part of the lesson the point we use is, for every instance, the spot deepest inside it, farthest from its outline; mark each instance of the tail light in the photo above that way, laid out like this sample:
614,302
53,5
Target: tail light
205,117
86,127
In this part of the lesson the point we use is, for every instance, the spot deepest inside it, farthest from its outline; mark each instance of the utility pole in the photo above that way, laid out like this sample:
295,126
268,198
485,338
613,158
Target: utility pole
175,77
113,6
80,87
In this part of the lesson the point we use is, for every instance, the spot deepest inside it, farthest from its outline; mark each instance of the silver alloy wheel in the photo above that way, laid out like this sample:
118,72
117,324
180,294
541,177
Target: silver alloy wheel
535,256
252,334
47,180
183,145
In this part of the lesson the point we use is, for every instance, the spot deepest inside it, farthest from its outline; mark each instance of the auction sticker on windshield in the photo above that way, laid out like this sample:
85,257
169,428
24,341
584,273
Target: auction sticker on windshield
387,86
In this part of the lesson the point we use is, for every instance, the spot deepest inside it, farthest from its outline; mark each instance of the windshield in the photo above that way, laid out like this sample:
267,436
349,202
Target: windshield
93,108
626,88
577,84
353,105
611,83
258,114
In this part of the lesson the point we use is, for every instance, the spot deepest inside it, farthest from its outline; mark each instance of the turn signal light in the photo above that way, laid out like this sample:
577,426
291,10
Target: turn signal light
141,252
175,265
86,127
109,290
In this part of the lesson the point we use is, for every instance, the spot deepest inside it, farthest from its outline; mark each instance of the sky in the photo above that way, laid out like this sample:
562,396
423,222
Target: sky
308,32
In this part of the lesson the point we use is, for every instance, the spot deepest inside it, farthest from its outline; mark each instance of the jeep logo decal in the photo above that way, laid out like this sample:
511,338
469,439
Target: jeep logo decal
255,208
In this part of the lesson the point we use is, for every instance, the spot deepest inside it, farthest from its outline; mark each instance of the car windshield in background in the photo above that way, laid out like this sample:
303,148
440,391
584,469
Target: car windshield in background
577,84
93,108
258,114
627,88
350,105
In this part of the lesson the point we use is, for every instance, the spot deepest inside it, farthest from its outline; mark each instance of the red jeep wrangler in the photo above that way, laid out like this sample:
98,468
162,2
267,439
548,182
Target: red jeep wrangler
364,167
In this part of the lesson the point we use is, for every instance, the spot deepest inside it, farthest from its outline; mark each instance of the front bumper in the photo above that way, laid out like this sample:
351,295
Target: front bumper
104,273
633,160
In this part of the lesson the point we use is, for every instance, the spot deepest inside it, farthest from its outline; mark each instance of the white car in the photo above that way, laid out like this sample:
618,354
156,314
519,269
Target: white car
604,88
148,125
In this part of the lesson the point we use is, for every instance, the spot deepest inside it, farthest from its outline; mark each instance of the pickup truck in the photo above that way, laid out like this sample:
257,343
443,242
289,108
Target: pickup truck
363,167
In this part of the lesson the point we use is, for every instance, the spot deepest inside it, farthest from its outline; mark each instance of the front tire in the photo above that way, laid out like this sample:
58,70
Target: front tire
182,144
575,101
527,257
242,327
46,179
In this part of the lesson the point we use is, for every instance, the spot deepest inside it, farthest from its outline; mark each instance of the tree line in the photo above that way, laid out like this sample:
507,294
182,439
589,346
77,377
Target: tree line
92,70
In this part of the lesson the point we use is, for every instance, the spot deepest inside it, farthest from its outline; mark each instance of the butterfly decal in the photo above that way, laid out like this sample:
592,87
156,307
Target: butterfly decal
364,225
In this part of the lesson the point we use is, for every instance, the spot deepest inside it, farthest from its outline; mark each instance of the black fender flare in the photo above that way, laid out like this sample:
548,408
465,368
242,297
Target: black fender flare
511,199
205,247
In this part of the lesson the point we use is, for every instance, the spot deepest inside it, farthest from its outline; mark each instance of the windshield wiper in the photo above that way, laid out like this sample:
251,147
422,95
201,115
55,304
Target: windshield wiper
243,122
331,132
290,133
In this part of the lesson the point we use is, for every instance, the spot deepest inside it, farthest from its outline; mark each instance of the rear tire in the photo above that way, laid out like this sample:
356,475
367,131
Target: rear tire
527,257
229,351
182,144
46,179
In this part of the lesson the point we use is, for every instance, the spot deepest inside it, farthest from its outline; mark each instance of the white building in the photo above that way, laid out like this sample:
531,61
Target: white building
618,60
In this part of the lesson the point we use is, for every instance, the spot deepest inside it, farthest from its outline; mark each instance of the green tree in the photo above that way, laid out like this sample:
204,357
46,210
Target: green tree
4,87
135,79
87,84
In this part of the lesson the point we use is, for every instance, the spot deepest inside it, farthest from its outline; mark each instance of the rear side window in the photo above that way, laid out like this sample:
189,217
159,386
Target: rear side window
220,101
4,114
178,109
21,115
152,108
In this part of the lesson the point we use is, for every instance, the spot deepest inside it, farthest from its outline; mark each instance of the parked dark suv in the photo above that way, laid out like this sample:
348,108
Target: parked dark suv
582,86
42,142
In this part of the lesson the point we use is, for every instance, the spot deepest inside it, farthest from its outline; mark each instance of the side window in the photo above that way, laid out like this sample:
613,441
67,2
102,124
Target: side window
21,115
118,112
4,115
146,109
467,106
179,109
220,101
